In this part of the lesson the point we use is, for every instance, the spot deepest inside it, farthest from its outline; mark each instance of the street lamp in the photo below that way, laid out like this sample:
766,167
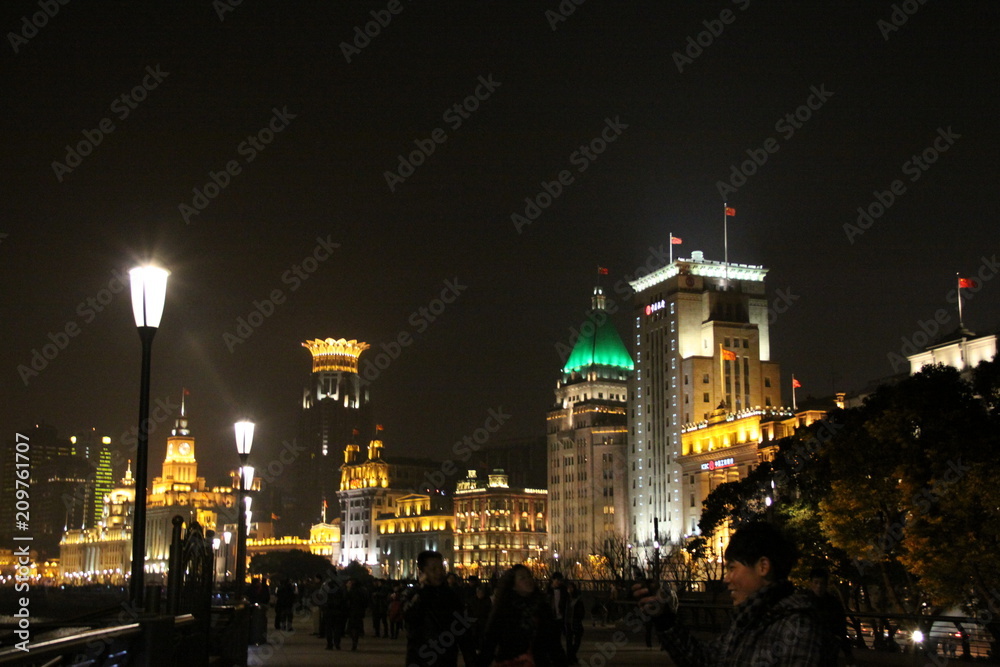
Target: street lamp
149,293
244,441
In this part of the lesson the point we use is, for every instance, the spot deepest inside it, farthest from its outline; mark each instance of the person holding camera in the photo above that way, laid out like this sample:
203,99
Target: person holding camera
773,624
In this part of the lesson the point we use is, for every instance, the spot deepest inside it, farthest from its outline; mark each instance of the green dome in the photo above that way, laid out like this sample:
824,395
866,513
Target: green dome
599,346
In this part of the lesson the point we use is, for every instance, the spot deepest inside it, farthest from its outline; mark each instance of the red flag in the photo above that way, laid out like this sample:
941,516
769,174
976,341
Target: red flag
187,392
675,240
796,384
728,355
601,271
967,283
731,212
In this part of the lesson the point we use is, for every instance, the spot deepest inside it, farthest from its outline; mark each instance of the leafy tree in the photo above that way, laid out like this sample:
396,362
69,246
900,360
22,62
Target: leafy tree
294,564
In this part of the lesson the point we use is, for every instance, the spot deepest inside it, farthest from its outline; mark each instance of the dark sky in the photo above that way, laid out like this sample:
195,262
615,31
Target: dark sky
323,176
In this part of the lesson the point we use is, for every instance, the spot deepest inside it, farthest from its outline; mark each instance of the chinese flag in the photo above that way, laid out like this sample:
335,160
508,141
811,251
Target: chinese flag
675,240
187,392
731,212
601,271
796,384
967,283
728,355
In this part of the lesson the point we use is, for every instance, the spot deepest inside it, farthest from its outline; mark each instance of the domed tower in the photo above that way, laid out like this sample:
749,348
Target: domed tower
587,436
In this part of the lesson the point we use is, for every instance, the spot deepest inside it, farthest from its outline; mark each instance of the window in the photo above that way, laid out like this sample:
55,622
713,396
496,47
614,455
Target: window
685,379
767,382
704,378
705,397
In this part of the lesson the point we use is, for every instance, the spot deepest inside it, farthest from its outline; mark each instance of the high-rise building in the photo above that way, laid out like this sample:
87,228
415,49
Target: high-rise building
587,441
335,404
702,344
97,450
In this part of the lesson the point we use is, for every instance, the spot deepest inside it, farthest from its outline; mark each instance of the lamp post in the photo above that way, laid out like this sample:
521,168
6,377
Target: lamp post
244,441
149,292
228,537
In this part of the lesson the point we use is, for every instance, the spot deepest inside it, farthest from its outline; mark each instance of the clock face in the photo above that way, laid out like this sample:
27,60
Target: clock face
184,449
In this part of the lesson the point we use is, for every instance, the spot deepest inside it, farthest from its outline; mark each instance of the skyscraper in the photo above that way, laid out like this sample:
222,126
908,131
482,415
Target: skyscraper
587,440
701,344
335,404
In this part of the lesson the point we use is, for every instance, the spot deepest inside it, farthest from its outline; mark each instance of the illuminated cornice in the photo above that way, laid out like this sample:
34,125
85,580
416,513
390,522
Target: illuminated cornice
705,268
335,355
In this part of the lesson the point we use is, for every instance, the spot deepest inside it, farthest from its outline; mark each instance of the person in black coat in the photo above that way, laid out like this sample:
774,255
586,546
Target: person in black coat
437,626
335,613
575,611
522,628
357,603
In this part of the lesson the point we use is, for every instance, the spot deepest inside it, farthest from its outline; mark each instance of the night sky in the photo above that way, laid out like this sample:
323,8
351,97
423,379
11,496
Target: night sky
881,93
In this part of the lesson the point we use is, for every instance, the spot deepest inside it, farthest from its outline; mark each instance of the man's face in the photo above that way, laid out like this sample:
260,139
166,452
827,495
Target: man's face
818,586
745,580
433,572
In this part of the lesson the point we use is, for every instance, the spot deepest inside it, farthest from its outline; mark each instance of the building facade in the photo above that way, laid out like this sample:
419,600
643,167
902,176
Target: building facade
420,522
370,487
335,404
497,525
587,440
702,343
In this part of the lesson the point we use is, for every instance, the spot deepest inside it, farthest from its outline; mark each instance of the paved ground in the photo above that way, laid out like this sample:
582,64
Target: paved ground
301,649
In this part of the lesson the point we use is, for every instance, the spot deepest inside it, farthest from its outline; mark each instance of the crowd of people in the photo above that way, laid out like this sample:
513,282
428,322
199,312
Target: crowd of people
515,622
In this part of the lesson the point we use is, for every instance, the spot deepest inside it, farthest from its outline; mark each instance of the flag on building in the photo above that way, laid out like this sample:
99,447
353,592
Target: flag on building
796,384
602,271
731,212
967,283
728,355
675,240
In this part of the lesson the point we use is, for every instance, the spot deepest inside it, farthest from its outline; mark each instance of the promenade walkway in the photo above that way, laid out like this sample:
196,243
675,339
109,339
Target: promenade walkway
601,648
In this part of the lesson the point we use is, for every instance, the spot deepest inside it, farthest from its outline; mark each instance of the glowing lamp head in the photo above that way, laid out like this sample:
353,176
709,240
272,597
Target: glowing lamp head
227,536
244,437
149,293
247,476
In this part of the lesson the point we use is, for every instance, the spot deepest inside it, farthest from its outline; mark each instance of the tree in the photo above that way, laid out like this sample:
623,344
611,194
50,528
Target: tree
294,564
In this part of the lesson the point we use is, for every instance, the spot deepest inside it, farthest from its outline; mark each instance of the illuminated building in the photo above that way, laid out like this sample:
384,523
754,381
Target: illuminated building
177,491
335,403
497,526
420,522
962,349
370,486
701,343
587,441
726,447
324,540
97,450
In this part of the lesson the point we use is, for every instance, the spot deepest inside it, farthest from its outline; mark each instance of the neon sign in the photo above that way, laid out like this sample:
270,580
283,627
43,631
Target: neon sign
653,307
720,463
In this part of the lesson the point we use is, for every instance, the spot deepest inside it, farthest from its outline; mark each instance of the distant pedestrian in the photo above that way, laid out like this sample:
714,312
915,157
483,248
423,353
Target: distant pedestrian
522,630
575,613
335,614
479,609
396,612
284,600
832,618
357,603
380,609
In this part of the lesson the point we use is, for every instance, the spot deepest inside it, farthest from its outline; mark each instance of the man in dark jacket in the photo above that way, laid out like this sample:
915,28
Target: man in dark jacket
773,625
436,624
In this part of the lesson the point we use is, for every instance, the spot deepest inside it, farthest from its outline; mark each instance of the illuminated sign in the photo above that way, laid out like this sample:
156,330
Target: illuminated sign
653,307
720,463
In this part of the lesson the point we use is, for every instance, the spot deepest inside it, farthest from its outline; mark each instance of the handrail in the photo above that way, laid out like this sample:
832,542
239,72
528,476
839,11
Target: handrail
13,656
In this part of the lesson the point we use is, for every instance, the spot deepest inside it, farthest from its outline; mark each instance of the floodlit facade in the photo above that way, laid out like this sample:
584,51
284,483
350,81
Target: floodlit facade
962,349
701,344
587,440
420,522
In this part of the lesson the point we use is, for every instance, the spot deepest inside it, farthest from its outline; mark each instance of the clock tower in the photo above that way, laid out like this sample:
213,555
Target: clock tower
179,466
